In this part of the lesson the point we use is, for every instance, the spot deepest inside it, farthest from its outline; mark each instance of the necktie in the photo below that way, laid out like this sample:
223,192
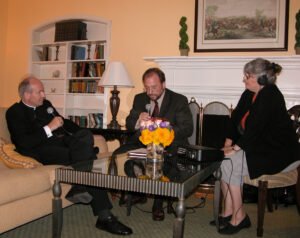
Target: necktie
155,112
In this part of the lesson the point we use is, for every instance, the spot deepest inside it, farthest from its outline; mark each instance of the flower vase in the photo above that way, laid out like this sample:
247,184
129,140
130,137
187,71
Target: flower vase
155,159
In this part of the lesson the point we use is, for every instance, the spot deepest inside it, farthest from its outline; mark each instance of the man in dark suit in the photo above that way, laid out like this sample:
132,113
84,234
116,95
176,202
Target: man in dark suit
158,101
37,130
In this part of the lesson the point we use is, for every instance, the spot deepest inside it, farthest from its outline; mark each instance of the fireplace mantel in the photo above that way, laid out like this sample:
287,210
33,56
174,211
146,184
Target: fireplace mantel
217,78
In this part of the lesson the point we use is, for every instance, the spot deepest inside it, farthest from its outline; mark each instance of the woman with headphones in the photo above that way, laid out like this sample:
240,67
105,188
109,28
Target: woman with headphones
260,140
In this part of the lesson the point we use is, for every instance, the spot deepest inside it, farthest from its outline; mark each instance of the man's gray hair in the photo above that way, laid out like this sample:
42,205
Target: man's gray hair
25,85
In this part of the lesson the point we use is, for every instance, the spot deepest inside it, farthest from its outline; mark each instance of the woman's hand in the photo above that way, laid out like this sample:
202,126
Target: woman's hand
228,150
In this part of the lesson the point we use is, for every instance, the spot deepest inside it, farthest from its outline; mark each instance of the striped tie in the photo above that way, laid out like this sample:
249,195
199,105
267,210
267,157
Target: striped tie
155,112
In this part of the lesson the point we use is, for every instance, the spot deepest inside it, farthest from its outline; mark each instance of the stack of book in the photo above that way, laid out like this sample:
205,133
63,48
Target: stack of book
140,153
92,120
95,120
83,86
79,120
88,69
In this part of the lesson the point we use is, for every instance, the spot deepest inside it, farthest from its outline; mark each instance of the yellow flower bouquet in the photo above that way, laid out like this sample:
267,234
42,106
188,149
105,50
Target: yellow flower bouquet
157,131
156,134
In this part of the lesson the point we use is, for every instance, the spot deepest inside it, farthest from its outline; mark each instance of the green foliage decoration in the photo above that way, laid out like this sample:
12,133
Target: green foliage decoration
184,38
297,37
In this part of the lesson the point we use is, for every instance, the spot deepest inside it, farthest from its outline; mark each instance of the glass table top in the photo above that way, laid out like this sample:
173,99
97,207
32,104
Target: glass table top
175,169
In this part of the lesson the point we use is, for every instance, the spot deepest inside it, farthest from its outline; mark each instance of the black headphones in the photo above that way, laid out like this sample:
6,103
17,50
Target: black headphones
262,80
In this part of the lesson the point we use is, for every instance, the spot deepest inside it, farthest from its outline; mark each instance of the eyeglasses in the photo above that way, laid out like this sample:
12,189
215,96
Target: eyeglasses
151,89
247,76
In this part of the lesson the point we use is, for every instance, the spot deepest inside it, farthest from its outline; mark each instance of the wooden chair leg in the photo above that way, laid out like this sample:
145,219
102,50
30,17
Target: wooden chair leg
298,190
261,205
269,200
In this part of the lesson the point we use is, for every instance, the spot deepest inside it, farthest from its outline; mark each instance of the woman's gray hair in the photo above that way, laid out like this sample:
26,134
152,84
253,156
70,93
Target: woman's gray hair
260,67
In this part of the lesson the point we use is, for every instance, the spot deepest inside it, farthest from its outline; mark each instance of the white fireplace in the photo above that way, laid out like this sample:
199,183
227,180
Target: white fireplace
216,78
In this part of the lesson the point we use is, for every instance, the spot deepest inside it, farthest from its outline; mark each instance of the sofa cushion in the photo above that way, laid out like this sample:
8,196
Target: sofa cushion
13,159
17,184
3,125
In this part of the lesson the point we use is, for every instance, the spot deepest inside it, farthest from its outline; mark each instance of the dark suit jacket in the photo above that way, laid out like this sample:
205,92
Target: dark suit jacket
26,127
269,140
174,108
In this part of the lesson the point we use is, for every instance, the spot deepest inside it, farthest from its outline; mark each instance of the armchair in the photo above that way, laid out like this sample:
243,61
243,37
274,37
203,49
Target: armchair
266,183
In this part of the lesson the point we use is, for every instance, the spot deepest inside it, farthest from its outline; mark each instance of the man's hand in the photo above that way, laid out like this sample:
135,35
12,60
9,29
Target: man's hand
143,118
56,123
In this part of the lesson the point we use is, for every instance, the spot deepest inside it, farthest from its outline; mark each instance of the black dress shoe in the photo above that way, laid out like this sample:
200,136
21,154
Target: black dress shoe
158,214
112,225
134,200
170,208
230,229
78,194
223,221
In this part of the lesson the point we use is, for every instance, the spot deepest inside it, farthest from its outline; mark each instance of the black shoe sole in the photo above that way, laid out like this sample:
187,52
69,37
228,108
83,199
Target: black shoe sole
84,198
223,221
113,227
231,229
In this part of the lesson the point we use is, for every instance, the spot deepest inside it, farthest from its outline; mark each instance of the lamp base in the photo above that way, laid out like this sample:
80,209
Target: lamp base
114,125
114,107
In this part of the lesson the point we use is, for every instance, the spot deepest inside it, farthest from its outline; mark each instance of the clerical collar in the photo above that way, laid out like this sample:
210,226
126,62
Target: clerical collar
29,105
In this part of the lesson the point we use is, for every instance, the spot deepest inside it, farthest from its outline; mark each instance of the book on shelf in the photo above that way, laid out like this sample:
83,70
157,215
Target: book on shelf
82,86
92,69
77,52
44,54
83,69
99,51
100,89
87,69
95,120
98,119
138,153
79,120
92,120
75,67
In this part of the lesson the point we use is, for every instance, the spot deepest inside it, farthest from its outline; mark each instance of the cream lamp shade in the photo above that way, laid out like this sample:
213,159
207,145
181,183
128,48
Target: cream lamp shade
115,75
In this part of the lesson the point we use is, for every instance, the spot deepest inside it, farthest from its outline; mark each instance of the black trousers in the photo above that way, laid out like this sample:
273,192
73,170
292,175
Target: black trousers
74,150
170,170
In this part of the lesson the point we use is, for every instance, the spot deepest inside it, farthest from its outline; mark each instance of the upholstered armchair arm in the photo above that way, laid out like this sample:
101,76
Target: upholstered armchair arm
101,143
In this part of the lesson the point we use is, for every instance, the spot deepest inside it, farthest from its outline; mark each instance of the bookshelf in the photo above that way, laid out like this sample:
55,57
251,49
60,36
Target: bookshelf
70,70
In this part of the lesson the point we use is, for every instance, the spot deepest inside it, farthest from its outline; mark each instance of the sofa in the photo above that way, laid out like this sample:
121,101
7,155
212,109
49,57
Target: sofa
25,184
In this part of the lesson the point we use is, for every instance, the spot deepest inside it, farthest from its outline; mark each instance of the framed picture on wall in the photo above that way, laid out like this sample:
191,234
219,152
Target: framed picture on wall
241,25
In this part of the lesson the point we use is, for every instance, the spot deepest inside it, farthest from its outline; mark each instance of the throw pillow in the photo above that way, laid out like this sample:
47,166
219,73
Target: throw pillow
13,159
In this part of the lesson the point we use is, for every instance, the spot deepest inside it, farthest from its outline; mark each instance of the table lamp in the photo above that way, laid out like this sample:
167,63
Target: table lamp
115,75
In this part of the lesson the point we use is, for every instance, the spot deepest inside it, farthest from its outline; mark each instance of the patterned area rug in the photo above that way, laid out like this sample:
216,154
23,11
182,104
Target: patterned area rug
79,222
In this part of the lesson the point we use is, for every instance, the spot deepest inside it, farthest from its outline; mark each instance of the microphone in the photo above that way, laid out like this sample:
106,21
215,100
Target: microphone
148,108
50,111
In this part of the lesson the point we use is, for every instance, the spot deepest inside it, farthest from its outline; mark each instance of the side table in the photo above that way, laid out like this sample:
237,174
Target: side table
113,134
